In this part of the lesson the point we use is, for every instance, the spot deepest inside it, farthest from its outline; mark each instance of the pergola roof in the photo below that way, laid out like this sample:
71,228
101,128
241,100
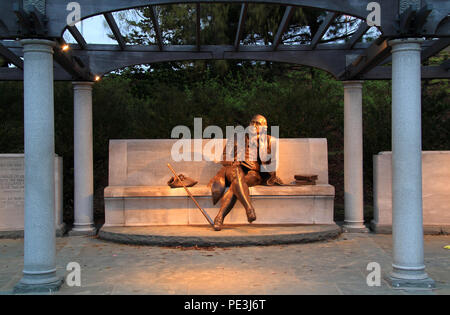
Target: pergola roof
346,61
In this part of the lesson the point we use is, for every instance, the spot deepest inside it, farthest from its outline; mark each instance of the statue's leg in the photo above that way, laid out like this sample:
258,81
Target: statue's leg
228,202
217,185
242,192
253,178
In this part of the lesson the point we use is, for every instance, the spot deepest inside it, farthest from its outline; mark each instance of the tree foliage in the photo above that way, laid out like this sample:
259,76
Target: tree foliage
304,102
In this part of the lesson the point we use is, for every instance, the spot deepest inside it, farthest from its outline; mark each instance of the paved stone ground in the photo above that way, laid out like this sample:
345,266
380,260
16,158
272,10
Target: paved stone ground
331,267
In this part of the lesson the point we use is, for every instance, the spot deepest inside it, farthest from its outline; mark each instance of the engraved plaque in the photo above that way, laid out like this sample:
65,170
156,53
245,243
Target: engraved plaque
12,192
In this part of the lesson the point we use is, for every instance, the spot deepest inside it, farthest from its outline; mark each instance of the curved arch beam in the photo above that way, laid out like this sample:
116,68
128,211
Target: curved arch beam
438,23
358,8
106,58
444,27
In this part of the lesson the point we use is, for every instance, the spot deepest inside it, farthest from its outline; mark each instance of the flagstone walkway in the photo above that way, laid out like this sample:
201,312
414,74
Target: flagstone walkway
330,267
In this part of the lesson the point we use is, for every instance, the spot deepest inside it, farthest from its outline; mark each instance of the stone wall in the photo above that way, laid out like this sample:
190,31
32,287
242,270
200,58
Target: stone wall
12,192
435,191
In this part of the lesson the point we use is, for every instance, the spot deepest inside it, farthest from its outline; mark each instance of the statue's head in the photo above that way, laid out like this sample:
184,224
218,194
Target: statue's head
258,121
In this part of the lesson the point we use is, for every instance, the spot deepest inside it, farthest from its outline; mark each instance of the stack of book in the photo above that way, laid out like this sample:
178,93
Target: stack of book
305,179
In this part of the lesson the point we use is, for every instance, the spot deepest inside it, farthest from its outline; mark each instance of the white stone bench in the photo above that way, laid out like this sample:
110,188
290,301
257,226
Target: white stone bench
138,194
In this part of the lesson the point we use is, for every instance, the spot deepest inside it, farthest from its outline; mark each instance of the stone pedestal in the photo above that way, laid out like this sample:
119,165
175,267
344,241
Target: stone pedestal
39,271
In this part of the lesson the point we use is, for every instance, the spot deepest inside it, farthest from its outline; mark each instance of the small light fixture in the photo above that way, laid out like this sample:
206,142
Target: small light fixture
65,47
97,78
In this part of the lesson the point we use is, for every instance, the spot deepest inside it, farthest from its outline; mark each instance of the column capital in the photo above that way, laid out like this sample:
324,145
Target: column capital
37,45
82,85
353,84
405,44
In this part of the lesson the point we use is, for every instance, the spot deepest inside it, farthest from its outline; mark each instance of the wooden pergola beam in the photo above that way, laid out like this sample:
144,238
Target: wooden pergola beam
323,29
372,57
72,65
115,30
11,57
427,72
77,36
283,26
241,26
362,29
156,28
16,74
438,46
446,65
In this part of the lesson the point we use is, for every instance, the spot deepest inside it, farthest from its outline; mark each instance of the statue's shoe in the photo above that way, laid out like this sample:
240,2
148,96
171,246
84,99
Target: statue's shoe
218,222
251,216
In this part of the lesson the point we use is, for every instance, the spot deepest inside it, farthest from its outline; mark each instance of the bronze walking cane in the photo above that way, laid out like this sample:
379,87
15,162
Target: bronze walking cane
192,197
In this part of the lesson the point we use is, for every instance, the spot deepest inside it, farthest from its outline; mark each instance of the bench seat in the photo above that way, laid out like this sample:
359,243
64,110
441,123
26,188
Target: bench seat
162,205
204,190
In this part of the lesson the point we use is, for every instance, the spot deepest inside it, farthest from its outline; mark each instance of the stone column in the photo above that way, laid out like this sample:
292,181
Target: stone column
39,272
83,160
407,227
353,157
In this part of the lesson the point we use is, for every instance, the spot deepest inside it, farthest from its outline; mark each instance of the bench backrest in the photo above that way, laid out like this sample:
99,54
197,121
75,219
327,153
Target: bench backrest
144,162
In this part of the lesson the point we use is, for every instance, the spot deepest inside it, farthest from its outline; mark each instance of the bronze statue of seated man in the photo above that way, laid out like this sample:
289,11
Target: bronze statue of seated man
240,174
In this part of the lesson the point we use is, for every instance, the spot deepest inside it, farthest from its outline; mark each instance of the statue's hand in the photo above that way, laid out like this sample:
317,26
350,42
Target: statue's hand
236,163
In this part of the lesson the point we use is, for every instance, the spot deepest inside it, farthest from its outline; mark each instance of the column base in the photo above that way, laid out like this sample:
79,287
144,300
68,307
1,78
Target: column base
15,234
403,277
83,230
51,287
354,227
380,228
402,284
60,230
